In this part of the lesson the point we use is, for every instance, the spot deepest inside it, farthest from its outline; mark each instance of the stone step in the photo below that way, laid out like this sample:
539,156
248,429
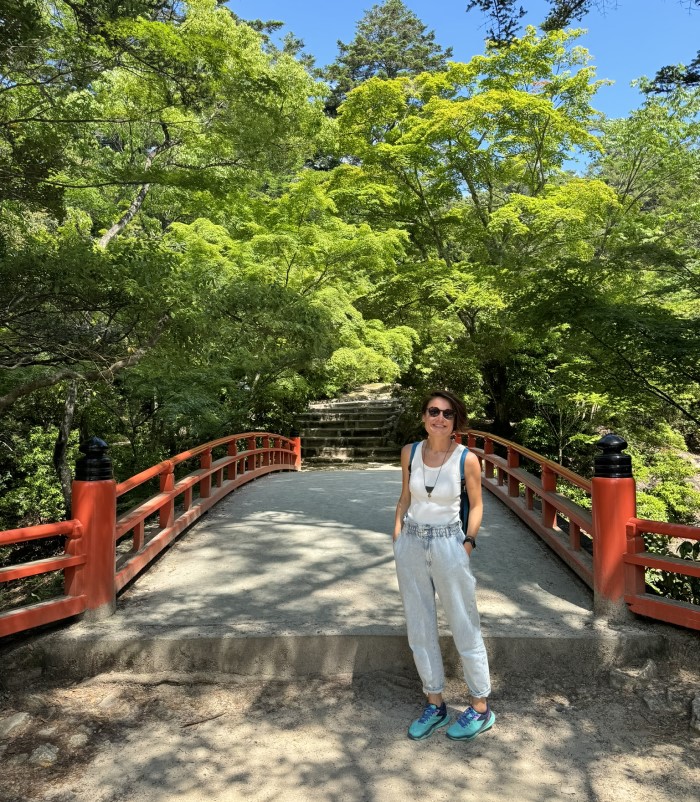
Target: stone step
374,418
350,431
361,442
342,453
341,430
390,403
332,429
353,411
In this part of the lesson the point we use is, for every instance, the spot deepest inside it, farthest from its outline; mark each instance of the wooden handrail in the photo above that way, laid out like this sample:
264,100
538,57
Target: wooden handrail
506,486
560,470
628,560
90,577
637,560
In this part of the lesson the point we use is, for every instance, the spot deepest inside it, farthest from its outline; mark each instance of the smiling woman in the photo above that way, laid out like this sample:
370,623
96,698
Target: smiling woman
433,554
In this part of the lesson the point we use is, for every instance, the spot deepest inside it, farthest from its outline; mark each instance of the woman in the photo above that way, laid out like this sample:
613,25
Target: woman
433,554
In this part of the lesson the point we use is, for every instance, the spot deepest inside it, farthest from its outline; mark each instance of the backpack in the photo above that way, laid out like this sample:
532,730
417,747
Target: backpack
463,497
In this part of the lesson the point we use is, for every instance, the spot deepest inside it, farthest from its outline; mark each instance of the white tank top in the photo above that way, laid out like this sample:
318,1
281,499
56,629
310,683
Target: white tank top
442,508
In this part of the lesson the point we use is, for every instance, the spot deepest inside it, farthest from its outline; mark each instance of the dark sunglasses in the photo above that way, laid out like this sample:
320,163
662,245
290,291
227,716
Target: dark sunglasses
447,414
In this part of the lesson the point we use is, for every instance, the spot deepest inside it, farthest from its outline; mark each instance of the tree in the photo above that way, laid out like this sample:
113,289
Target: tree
115,119
473,156
390,41
169,113
505,17
50,54
635,307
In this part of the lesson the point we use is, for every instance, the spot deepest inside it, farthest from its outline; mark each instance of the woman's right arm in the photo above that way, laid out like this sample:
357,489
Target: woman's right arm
405,497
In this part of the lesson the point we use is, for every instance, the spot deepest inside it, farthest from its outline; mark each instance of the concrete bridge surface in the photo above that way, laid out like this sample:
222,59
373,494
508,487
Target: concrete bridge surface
264,658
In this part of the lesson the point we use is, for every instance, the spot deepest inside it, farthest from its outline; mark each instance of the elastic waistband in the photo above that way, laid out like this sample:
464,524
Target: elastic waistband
430,530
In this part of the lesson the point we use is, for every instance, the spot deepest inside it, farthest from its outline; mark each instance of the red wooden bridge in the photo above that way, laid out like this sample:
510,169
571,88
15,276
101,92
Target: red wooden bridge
601,541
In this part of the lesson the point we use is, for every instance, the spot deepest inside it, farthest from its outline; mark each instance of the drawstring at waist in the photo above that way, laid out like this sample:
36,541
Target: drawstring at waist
430,530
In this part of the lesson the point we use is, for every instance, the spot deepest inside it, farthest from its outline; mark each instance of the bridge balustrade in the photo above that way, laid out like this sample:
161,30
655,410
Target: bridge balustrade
602,541
92,574
72,562
603,544
637,559
504,477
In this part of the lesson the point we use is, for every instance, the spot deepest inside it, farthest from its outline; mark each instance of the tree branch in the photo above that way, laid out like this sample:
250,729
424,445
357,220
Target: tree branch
42,382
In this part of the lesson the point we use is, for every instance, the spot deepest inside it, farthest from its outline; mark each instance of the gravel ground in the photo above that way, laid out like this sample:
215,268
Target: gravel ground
115,738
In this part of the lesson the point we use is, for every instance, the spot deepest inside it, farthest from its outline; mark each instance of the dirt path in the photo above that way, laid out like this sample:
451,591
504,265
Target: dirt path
157,738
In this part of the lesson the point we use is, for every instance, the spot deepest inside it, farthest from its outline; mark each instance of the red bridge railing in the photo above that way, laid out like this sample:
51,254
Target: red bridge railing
603,544
72,563
637,559
504,477
92,574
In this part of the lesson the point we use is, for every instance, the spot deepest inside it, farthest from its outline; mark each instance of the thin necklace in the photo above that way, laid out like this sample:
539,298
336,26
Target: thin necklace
429,488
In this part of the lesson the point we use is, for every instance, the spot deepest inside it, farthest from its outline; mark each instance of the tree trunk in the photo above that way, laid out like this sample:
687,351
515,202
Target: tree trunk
496,378
60,450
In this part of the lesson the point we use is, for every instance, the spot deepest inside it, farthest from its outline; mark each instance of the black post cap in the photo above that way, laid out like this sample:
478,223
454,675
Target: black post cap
612,463
95,466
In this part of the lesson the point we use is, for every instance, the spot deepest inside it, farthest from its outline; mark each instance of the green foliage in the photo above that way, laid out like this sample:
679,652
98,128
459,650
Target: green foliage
505,16
673,585
31,494
166,247
350,367
664,480
390,41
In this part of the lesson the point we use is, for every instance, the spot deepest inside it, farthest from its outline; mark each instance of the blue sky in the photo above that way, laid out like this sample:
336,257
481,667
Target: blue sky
632,38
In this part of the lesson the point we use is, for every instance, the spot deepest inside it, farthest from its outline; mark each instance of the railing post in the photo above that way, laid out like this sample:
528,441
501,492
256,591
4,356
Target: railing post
94,504
471,445
296,449
488,466
74,578
205,483
233,467
166,516
635,580
252,459
614,502
513,462
549,485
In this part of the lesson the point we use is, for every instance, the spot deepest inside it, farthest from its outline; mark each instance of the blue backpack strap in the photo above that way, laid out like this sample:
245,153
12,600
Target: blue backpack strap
413,454
462,460
463,496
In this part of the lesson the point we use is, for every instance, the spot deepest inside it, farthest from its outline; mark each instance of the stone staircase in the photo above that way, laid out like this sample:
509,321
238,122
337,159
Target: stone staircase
362,430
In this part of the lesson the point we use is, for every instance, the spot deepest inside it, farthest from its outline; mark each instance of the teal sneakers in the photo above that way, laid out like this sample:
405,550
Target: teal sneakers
431,718
470,724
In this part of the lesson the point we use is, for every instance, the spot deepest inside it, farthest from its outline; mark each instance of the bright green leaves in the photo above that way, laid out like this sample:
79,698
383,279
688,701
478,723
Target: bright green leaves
562,223
305,245
514,114
474,153
175,102
207,278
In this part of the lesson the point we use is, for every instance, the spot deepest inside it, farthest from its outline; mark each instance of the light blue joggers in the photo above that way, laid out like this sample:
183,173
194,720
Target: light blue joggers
432,559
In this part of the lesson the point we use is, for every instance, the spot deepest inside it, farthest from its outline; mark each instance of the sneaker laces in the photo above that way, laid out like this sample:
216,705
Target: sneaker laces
469,715
428,713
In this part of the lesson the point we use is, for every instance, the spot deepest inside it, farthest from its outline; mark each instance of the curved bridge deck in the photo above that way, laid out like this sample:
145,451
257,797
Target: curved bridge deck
293,575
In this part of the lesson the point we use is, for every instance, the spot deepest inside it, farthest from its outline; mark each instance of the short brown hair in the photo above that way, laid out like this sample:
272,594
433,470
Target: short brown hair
458,406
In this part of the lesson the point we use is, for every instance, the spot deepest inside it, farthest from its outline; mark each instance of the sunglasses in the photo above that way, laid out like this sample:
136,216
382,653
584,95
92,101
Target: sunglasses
447,414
